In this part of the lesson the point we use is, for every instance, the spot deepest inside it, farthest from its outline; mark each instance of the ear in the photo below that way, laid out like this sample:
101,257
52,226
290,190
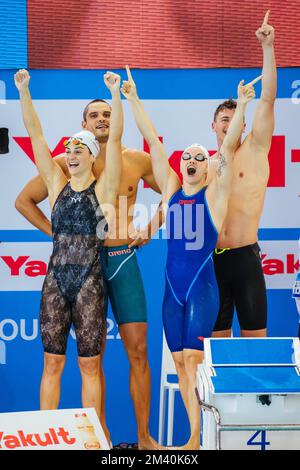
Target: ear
213,126
83,124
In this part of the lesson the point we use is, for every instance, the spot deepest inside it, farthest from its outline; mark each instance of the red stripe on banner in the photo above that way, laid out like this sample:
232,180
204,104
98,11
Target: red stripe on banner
295,158
277,162
26,146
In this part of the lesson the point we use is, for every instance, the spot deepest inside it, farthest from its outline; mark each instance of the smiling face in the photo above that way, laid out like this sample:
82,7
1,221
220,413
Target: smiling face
221,123
194,165
222,118
97,120
78,159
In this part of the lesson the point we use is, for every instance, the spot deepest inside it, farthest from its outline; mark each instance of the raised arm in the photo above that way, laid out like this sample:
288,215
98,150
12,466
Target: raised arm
263,124
219,189
43,159
246,94
113,160
166,179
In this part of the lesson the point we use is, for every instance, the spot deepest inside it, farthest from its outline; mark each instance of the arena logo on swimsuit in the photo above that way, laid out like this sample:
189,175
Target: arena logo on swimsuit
182,202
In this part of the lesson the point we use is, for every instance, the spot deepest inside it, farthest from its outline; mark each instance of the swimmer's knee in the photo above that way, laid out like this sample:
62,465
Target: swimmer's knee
191,360
54,364
89,365
137,353
179,363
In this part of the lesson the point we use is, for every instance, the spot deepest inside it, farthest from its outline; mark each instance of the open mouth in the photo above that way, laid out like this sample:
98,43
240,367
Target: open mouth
73,165
191,170
101,126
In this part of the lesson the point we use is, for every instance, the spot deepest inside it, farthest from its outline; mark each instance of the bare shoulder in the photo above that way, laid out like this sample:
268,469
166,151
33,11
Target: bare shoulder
135,155
249,146
138,160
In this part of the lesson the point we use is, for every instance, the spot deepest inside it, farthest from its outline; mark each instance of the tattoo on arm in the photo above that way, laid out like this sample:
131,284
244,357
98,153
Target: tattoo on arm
221,164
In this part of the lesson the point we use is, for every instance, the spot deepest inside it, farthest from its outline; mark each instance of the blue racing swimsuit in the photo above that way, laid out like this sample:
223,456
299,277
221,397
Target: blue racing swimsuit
191,298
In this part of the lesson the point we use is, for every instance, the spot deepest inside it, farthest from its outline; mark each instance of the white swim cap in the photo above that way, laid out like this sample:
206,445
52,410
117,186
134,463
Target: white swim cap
86,138
202,150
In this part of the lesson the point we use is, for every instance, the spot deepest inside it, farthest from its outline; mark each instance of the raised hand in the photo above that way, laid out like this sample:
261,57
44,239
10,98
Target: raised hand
246,93
112,81
22,78
266,33
128,86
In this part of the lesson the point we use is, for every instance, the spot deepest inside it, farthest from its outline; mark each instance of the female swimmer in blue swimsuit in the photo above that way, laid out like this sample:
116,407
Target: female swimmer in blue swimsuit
195,213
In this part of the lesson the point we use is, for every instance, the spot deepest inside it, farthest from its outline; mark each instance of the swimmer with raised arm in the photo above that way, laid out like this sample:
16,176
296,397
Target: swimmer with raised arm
195,214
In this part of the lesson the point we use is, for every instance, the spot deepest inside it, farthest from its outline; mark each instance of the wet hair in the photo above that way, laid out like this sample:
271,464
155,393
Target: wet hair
228,104
85,111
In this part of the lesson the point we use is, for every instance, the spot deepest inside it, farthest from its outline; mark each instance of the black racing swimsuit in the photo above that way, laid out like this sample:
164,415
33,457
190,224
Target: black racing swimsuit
73,288
242,285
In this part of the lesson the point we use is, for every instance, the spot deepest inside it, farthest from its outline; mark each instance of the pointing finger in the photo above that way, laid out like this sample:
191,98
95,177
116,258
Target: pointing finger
255,80
128,73
266,18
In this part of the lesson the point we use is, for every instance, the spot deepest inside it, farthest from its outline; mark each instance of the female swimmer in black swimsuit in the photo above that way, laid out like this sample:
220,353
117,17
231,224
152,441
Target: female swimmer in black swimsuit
73,287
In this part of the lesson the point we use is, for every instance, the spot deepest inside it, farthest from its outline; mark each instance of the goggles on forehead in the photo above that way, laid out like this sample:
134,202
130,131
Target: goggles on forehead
73,140
199,157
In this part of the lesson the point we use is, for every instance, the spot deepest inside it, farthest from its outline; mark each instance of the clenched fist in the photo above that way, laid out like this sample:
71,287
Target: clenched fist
22,78
112,81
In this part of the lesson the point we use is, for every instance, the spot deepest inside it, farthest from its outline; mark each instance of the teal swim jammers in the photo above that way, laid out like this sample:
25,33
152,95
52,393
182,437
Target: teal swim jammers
124,284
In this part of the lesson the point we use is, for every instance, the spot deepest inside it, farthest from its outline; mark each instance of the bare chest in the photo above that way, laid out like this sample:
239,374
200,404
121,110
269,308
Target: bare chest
250,177
131,176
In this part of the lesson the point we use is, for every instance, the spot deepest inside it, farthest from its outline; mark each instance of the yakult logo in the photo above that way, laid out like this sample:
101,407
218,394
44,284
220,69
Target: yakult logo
23,264
33,268
273,266
50,438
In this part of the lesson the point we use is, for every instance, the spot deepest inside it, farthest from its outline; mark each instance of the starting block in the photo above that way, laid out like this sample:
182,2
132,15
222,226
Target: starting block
249,393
